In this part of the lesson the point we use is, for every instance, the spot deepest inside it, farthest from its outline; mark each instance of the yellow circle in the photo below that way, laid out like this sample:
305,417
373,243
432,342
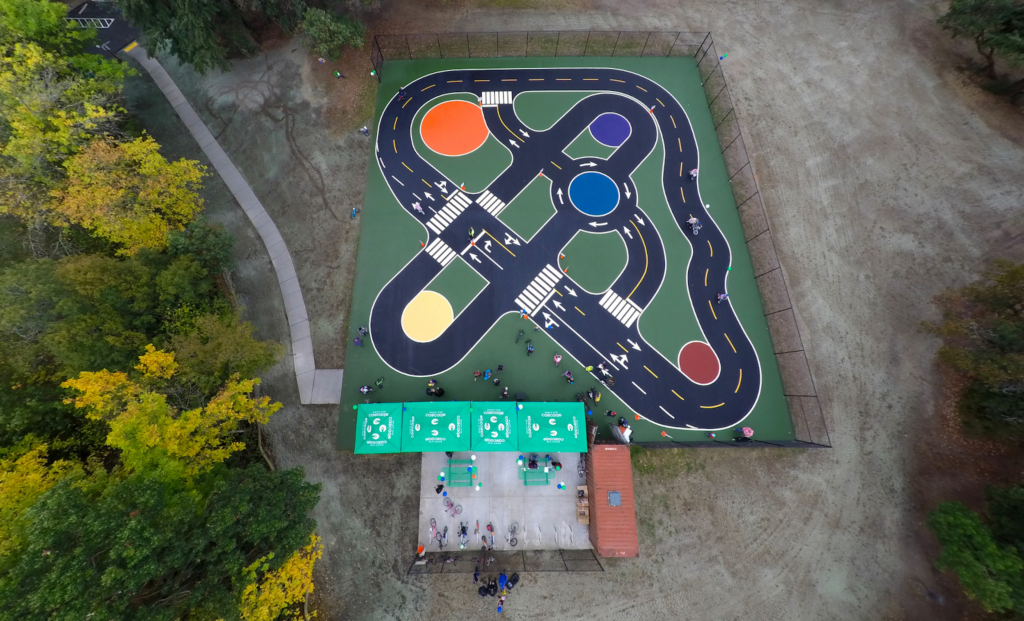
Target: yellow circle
427,316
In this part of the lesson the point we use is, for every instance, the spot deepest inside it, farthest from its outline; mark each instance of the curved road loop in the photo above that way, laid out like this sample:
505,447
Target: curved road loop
523,275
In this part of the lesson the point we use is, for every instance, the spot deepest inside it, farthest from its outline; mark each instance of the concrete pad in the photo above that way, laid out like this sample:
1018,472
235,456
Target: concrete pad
546,516
327,385
305,382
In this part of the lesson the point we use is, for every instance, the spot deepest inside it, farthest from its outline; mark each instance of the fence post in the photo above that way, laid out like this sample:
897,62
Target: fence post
673,45
408,47
469,52
527,44
645,45
558,38
616,43
586,45
440,54
496,53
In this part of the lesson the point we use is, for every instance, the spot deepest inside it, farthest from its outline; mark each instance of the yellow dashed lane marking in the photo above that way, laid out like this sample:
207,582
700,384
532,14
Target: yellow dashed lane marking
641,88
508,79
739,382
425,182
481,80
394,146
659,101
407,167
453,81
562,79
623,348
730,343
556,166
425,88
395,126
673,120
500,244
559,293
536,79
711,407
712,310
590,79
678,395
680,144
407,102
706,276
710,248
619,81
683,194
581,312
651,372
680,169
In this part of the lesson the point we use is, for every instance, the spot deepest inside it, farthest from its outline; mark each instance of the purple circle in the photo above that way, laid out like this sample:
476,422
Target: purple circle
610,129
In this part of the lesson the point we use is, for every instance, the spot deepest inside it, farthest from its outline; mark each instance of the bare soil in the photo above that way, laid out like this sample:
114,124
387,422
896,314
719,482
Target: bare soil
887,174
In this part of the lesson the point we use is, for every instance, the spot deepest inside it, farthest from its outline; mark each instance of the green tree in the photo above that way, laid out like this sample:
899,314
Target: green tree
152,549
209,244
328,34
997,27
988,573
42,22
25,477
983,338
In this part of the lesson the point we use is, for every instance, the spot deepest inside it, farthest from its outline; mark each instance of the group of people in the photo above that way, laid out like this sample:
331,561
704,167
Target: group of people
502,585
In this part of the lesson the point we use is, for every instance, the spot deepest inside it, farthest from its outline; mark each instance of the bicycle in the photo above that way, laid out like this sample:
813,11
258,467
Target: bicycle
581,467
463,531
442,538
512,532
452,558
490,529
451,506
484,560
433,527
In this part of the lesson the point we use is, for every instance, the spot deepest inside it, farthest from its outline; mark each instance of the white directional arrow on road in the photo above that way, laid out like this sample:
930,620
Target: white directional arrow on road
443,185
487,245
473,256
627,232
427,194
635,346
548,321
557,305
588,165
524,133
514,143
627,189
509,239
570,291
639,219
597,224
559,193
622,360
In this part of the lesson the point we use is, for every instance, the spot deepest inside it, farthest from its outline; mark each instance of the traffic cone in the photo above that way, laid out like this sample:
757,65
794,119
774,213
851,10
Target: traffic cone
561,256
422,245
566,270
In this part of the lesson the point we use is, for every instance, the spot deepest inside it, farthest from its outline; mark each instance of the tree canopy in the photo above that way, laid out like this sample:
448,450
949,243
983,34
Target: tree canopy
996,26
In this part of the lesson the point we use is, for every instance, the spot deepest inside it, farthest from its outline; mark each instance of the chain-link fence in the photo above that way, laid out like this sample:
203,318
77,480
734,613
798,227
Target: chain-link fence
798,384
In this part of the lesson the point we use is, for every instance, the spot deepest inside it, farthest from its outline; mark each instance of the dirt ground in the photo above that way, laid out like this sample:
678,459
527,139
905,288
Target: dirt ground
887,177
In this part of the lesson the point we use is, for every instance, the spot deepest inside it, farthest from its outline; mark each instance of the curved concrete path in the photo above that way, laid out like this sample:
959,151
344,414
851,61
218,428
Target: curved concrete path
315,385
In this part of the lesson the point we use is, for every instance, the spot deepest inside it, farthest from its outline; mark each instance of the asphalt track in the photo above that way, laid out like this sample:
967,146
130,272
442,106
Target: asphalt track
524,275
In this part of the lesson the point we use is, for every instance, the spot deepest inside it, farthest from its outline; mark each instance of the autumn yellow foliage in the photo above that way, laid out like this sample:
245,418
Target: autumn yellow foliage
22,480
269,597
129,193
151,433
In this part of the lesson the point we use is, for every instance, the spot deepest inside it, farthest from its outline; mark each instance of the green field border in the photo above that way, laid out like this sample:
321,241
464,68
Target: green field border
390,238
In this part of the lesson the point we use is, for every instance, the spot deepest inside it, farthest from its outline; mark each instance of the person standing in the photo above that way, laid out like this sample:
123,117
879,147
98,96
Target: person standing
558,358
401,94
363,331
358,341
529,347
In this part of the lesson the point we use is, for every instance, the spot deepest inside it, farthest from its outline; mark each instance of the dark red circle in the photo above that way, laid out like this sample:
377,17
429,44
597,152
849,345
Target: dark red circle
698,362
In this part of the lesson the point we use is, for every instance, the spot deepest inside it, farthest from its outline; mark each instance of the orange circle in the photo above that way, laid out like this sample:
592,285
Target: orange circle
454,128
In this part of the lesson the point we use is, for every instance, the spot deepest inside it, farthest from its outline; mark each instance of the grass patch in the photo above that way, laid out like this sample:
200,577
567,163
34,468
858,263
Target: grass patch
528,211
663,463
458,283
595,260
540,110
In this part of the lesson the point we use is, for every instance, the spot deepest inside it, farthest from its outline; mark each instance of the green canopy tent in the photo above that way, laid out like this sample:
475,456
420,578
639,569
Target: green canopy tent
495,426
430,427
552,428
378,428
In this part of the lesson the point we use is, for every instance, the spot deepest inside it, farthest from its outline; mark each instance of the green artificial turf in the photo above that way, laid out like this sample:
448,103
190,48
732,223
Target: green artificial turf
585,145
528,211
458,283
594,260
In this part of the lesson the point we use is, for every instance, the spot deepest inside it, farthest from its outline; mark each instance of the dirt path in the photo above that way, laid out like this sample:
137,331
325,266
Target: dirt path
886,177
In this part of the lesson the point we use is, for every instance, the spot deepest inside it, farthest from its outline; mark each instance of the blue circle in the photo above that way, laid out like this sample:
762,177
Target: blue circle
594,193
610,129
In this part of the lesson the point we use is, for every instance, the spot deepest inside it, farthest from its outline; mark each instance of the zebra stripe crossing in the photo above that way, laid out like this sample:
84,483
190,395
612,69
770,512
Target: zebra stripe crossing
540,290
495,98
457,203
491,203
626,311
441,252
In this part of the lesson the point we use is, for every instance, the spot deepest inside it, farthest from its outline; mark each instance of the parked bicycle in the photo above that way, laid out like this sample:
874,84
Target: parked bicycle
433,528
490,529
463,532
442,538
484,559
451,506
512,532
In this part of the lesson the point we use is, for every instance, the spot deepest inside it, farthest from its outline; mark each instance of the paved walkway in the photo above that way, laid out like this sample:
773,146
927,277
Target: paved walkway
315,385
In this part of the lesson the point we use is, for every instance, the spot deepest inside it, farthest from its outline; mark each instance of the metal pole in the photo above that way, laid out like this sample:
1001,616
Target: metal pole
469,53
645,45
702,42
527,44
558,37
673,45
616,43
585,45
723,118
408,47
440,54
496,53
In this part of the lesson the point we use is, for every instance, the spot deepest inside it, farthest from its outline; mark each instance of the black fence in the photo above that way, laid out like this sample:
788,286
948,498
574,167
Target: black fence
797,381
461,562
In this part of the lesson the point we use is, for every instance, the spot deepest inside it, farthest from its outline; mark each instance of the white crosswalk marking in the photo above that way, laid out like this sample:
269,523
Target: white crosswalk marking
539,291
440,251
625,311
457,203
491,203
491,99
